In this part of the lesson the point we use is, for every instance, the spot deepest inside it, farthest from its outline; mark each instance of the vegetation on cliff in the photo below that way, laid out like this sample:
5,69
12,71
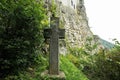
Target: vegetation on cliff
21,41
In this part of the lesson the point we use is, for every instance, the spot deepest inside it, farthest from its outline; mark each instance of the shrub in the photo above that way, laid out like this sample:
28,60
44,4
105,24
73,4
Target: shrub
73,59
20,33
105,67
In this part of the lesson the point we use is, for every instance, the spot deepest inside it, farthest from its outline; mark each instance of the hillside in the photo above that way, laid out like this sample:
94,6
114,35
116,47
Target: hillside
25,53
33,73
106,44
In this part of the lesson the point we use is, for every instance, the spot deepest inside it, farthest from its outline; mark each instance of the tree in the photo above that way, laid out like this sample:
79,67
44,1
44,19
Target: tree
20,33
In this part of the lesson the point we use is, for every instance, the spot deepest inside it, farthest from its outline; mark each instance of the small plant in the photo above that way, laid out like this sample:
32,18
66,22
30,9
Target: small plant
52,8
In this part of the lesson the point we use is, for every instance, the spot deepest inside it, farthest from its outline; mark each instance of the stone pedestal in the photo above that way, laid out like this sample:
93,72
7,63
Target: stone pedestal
60,76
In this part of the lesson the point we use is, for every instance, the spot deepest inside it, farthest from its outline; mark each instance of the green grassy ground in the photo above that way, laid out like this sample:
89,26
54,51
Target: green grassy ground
71,72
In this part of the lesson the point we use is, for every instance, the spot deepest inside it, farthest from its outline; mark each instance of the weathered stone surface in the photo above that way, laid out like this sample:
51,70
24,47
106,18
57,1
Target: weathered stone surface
75,22
54,34
54,50
76,26
61,75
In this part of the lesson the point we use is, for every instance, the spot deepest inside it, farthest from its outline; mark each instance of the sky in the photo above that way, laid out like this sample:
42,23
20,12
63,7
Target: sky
104,18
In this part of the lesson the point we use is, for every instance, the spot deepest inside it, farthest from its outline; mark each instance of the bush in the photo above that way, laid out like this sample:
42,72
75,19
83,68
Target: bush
73,59
20,33
106,66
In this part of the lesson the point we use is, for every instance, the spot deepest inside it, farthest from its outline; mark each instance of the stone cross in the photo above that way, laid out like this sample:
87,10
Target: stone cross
54,33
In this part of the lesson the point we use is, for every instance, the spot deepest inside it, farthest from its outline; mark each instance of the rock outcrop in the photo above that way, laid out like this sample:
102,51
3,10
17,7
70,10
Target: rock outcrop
73,18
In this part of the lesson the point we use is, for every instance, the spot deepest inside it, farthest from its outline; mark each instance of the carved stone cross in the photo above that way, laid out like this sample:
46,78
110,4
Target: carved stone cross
54,34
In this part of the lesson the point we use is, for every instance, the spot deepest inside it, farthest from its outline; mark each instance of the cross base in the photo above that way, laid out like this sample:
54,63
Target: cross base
60,76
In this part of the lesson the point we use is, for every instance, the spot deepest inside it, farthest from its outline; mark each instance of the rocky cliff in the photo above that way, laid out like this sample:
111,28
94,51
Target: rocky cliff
75,23
73,18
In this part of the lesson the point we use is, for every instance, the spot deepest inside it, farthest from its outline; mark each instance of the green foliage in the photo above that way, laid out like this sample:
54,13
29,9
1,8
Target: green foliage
73,59
31,73
78,56
89,46
20,34
105,65
52,8
71,72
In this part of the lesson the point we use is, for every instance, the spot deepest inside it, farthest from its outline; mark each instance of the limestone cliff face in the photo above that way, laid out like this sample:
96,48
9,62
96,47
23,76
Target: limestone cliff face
73,18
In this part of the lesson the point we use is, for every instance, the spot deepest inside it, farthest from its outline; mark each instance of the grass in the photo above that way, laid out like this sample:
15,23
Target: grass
71,72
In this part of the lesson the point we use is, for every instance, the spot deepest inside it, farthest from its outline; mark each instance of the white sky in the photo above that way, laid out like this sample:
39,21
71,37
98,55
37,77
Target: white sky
104,18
